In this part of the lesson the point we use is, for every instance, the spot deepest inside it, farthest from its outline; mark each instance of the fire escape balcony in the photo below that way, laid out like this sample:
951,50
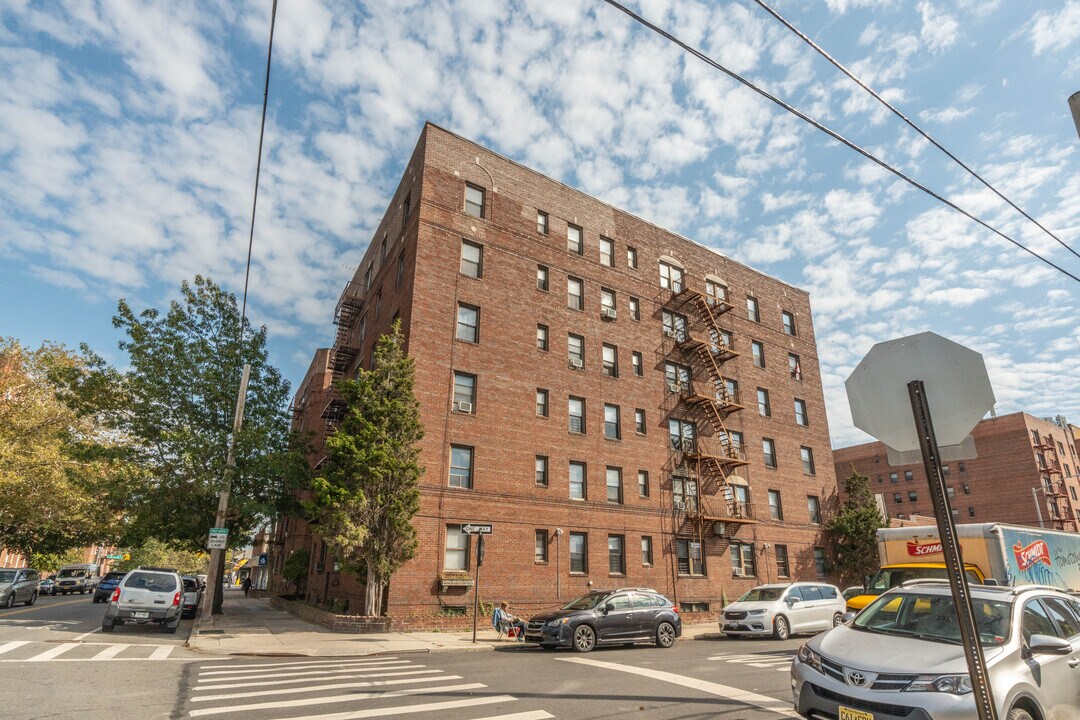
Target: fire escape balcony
723,401
1055,489
725,457
346,342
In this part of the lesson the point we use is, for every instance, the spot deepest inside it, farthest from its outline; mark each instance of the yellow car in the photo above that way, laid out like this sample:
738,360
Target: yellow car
890,576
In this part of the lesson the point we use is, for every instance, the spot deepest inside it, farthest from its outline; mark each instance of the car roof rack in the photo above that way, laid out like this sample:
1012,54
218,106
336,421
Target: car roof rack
639,589
1017,589
157,569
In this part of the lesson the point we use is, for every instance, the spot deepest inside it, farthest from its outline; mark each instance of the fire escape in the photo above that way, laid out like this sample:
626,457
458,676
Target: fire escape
1062,514
703,454
346,347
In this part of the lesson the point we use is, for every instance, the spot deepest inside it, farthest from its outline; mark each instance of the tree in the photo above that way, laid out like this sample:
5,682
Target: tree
295,568
854,530
154,553
367,496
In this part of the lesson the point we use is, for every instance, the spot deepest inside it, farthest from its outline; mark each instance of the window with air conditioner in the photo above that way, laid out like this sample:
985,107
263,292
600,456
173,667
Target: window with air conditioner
464,392
575,351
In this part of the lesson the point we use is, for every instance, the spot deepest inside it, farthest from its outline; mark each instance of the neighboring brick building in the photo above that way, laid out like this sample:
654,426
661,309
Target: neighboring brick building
1017,454
626,406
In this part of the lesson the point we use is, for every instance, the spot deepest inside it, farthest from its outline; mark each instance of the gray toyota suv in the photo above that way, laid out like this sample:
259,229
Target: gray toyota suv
146,595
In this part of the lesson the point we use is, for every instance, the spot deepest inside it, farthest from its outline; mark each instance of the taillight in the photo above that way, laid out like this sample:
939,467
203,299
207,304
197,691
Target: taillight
176,599
115,595
675,609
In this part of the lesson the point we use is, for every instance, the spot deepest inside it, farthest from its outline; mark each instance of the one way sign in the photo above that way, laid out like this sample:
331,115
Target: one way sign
476,529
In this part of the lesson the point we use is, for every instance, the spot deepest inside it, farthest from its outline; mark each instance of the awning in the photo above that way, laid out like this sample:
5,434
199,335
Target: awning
737,480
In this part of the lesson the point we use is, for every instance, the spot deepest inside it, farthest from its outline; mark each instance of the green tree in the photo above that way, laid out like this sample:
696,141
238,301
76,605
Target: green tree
367,496
854,530
154,553
295,568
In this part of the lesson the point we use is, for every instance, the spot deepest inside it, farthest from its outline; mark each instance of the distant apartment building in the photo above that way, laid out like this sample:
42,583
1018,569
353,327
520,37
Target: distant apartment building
1026,473
625,406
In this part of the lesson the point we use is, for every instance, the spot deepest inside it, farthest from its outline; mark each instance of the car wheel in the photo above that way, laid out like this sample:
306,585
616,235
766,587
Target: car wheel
781,630
665,635
10,602
836,619
170,629
108,626
1018,713
584,638
548,647
32,600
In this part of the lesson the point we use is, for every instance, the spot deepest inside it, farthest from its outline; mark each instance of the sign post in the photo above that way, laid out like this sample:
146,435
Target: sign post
480,530
921,366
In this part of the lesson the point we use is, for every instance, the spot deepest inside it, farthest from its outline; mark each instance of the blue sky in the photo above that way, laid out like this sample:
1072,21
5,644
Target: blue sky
128,137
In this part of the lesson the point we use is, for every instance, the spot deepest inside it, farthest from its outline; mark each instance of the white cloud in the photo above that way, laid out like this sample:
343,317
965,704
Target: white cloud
1054,31
939,30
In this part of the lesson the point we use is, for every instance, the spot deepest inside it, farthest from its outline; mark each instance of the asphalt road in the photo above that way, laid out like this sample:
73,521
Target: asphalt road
55,663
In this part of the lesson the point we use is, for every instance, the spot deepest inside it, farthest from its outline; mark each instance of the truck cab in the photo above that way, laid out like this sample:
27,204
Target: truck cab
890,576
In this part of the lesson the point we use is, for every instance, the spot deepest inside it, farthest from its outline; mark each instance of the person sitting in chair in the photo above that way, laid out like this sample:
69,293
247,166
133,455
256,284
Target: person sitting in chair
503,620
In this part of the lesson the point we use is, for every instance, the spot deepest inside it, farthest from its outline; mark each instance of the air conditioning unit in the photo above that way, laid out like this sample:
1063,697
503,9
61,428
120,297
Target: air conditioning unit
737,572
679,505
463,407
607,313
577,363
674,387
668,332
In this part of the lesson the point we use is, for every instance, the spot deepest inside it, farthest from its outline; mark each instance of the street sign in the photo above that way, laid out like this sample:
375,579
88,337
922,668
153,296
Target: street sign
476,529
114,557
263,559
219,539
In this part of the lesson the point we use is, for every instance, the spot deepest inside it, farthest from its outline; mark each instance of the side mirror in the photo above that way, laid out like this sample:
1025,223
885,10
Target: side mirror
865,582
848,617
606,608
1049,645
791,601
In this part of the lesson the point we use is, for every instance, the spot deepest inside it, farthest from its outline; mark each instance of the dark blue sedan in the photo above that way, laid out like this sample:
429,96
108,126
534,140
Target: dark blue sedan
107,585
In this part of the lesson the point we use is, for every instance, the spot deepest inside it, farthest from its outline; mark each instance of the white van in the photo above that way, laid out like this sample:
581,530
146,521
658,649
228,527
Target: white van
77,578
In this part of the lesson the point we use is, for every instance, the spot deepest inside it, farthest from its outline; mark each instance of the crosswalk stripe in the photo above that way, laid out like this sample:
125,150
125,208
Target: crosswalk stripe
407,709
110,652
214,677
325,678
320,688
54,652
9,646
281,672
530,715
235,665
161,653
334,699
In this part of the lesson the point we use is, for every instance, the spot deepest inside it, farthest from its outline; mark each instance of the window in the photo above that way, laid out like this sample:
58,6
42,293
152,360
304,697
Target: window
464,392
909,476
813,507
681,434
950,491
912,496
616,555
573,239
768,447
607,302
382,252
367,278
575,295
400,269
611,361
643,483
542,470
800,413
776,509
635,361
671,277
542,338
962,469
742,559
378,303
897,498
807,461
782,568
742,500
635,309
614,485
541,402
752,311
542,278
971,511
579,553
406,207
607,252
674,325
945,470
758,351
362,333
646,550
893,477
578,477
639,421
789,323
575,350
541,222
468,323
472,260
684,493
474,200
715,293
794,366
819,561
461,466
631,258
1035,437
731,390
540,554
688,555
576,409
763,402
611,422
456,556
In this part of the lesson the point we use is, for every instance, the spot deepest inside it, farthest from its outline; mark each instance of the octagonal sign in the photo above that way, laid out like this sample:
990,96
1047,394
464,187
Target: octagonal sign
957,389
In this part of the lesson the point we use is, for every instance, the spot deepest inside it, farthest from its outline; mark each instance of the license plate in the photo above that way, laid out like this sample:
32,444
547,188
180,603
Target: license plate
733,626
146,615
847,713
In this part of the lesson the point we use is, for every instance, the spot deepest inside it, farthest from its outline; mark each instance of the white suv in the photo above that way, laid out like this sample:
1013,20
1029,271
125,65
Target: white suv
783,609
146,595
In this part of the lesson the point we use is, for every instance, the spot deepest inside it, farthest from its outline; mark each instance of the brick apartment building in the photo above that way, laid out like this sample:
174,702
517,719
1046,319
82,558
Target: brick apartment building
625,406
1026,472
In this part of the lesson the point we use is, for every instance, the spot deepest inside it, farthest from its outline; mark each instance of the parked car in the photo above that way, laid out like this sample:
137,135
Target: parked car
783,609
853,591
902,656
77,578
47,586
192,596
107,585
18,585
146,595
608,617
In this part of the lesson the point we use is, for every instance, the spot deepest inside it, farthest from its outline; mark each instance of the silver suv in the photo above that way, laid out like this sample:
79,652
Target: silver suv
902,657
146,595
783,609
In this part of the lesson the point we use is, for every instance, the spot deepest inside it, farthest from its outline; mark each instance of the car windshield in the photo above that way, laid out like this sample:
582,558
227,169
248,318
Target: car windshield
154,582
585,602
7,576
762,595
71,573
933,617
114,576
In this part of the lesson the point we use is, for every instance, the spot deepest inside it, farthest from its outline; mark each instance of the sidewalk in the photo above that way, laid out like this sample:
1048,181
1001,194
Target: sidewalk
249,626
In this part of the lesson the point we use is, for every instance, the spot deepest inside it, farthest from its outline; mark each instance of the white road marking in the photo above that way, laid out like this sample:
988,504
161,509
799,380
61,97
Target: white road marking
325,678
234,665
9,646
730,693
352,697
161,653
531,715
256,670
319,688
110,652
218,677
86,635
54,652
407,709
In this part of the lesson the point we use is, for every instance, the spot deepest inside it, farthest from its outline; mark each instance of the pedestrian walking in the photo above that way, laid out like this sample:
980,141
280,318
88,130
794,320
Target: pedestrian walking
246,584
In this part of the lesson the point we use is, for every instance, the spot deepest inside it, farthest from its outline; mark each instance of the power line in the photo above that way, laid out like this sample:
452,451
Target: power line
910,122
831,133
